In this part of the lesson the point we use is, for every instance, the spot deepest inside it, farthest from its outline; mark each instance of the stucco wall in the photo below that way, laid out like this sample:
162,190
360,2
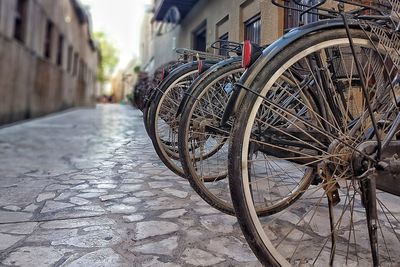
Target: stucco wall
32,85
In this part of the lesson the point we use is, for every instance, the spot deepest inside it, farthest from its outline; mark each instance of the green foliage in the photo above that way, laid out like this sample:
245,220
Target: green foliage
137,69
109,57
130,98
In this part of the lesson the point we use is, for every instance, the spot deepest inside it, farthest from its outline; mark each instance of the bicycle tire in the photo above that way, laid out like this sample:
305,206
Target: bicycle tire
252,227
218,74
168,157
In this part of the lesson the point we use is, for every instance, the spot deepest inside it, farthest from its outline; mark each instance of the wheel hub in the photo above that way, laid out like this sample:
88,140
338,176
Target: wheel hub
341,156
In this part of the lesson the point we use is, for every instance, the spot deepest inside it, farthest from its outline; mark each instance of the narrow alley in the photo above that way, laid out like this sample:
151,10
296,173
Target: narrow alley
85,188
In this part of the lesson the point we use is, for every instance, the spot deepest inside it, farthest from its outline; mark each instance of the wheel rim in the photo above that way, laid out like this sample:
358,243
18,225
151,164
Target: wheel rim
166,121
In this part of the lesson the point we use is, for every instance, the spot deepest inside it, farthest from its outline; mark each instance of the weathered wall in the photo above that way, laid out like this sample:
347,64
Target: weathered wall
32,85
155,49
164,46
229,16
146,37
123,82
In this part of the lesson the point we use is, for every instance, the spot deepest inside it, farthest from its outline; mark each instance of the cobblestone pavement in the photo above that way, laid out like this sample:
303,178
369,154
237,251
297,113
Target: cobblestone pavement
85,188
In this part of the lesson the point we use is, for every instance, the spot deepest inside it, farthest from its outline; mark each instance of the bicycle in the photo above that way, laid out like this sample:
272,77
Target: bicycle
203,137
323,103
163,123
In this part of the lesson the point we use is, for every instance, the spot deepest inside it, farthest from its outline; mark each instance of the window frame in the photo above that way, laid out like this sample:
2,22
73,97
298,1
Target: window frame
48,41
60,50
199,31
253,24
292,17
20,20
70,57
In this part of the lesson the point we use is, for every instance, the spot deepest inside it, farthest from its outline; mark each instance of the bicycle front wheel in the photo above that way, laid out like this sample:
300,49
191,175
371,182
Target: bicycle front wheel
321,132
162,118
203,145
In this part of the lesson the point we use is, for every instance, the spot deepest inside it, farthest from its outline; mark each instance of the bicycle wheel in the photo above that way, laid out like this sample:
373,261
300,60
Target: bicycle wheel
158,78
273,146
162,115
202,141
146,110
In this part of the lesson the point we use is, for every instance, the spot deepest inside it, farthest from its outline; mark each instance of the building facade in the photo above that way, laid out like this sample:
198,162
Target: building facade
197,24
48,59
123,82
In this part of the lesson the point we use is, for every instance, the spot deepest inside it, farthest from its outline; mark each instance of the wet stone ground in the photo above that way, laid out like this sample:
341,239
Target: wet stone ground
85,188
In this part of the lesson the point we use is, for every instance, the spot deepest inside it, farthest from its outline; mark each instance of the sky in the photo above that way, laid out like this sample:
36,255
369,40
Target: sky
121,21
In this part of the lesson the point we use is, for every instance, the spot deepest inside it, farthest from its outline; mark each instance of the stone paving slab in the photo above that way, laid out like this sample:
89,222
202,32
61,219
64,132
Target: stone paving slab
85,188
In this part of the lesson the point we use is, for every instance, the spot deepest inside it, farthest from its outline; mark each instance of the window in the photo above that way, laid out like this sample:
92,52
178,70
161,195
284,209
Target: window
69,59
252,30
292,17
224,37
20,20
200,37
76,58
60,50
48,38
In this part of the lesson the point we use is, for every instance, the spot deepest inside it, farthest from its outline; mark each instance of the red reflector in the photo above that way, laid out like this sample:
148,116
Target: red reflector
246,54
163,74
200,66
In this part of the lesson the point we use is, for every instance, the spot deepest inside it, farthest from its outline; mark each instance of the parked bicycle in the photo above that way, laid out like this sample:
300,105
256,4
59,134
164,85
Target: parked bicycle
318,128
305,133
162,120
